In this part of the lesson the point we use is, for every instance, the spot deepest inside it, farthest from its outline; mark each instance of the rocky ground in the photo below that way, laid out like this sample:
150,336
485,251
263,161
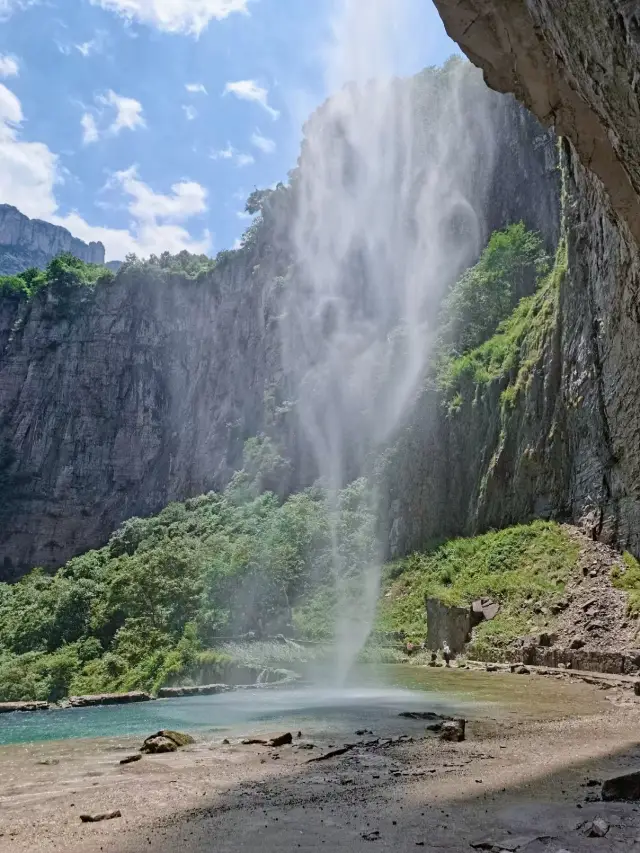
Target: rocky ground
596,612
526,778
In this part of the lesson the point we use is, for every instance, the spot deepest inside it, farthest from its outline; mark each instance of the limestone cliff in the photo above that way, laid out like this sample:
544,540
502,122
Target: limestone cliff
570,446
118,400
28,243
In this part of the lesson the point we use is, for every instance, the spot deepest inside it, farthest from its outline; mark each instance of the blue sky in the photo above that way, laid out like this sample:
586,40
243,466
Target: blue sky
146,123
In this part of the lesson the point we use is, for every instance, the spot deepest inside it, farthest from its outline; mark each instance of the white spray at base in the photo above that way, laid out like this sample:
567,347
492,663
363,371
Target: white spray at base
383,223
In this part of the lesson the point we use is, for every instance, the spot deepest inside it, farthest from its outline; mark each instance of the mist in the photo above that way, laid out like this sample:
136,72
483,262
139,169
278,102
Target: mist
386,217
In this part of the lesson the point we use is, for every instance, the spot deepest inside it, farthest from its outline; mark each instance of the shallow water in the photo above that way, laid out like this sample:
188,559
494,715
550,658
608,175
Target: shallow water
385,689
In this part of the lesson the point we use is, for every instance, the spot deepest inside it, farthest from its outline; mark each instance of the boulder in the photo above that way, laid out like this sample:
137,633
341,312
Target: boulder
166,740
281,740
484,610
451,625
623,787
453,730
597,828
158,744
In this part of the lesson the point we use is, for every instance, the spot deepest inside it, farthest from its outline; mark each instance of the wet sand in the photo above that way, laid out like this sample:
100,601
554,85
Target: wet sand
522,771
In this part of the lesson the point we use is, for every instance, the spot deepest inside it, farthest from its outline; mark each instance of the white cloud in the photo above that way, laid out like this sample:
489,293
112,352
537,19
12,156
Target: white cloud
227,153
128,112
89,129
30,171
187,198
261,142
7,7
88,47
190,112
195,88
230,153
174,16
8,66
127,116
249,90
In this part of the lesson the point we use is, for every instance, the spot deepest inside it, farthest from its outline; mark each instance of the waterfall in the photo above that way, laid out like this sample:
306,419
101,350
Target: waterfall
383,224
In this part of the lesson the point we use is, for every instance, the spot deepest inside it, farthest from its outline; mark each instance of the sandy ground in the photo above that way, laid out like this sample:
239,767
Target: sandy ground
519,781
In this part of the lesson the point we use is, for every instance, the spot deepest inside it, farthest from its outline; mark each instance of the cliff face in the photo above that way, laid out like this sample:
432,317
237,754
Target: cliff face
569,448
28,243
118,400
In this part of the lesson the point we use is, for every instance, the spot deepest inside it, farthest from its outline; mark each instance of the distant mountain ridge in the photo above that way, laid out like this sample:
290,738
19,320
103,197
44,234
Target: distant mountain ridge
26,242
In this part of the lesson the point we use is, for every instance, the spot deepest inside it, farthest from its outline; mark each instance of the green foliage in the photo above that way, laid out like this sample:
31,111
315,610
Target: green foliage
512,353
522,567
487,293
184,264
62,275
151,607
627,578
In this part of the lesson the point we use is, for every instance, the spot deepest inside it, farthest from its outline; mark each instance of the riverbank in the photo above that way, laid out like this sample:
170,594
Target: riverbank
524,769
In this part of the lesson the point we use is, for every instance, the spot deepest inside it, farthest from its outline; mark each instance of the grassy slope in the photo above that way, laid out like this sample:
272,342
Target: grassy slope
524,567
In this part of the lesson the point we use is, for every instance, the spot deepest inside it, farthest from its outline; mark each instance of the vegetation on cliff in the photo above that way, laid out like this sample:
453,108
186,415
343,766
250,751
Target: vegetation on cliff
62,274
508,269
510,355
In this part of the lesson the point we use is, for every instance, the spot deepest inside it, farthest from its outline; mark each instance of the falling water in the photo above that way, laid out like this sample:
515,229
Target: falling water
383,224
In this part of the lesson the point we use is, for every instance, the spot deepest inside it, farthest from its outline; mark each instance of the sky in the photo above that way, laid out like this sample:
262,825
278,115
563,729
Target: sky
147,123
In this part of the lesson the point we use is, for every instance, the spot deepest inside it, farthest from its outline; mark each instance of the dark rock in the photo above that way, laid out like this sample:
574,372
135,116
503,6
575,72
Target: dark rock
130,759
109,699
166,740
415,715
577,643
96,818
10,707
626,786
158,744
492,667
453,730
374,835
636,688
281,740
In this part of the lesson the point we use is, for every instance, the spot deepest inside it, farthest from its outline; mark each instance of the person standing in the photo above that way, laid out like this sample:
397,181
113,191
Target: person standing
446,653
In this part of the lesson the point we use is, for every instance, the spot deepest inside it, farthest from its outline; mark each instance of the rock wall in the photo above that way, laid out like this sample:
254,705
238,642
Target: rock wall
570,448
28,243
117,401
